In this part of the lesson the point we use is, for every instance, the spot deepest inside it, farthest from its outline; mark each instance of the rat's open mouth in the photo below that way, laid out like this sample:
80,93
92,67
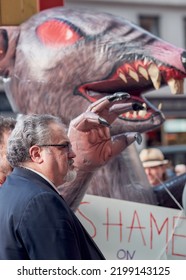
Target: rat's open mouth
135,79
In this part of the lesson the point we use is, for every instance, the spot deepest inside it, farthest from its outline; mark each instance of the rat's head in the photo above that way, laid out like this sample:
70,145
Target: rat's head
66,58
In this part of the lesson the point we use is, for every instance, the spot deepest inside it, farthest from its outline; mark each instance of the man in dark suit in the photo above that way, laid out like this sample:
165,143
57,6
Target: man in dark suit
36,222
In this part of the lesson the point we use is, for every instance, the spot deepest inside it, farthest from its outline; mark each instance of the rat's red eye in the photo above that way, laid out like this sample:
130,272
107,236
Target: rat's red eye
55,33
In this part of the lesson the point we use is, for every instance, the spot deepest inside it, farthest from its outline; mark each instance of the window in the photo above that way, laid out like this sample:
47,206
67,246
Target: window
150,23
184,28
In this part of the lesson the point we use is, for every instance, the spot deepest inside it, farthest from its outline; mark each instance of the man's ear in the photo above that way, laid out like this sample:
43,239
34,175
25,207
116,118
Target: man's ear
35,154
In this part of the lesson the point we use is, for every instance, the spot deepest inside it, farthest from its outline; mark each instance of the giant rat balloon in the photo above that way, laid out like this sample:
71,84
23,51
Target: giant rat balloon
61,60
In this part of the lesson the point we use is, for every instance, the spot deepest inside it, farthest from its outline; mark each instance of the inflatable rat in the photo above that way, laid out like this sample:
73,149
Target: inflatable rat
61,60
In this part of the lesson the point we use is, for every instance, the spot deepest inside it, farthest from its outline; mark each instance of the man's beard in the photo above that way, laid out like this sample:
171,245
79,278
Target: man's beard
71,176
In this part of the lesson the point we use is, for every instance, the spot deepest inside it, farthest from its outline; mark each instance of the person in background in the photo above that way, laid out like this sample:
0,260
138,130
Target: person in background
180,169
6,126
155,165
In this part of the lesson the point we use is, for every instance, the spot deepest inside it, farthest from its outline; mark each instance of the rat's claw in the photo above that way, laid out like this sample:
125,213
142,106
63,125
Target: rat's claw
103,104
117,96
103,122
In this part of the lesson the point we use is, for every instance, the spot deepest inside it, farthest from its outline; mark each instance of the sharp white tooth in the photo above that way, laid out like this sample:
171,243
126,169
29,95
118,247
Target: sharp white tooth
144,105
133,75
127,114
143,72
160,106
145,61
142,113
155,75
176,86
134,115
123,77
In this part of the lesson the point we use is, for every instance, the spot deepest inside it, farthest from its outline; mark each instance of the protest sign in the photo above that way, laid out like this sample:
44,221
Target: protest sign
134,231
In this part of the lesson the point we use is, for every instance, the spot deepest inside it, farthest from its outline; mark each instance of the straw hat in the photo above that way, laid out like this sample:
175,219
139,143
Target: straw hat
152,157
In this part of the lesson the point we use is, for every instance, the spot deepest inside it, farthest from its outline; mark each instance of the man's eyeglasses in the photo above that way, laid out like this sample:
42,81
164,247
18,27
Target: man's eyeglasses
62,146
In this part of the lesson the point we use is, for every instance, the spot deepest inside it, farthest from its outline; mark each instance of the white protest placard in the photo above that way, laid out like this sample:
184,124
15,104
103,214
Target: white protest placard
134,231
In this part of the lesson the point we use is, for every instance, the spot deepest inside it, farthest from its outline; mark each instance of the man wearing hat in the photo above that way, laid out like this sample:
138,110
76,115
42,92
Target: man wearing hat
154,164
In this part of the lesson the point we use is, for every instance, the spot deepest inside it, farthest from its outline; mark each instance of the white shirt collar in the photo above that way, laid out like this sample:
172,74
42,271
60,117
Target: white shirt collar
40,174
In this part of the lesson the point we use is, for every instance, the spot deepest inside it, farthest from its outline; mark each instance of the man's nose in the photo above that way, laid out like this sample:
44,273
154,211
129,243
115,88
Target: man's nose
71,153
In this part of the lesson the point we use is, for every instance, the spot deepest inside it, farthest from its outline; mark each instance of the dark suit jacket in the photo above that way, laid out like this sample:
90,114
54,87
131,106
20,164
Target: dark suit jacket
36,223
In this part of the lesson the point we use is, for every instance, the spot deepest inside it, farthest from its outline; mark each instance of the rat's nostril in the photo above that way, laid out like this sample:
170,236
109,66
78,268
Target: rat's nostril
183,59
